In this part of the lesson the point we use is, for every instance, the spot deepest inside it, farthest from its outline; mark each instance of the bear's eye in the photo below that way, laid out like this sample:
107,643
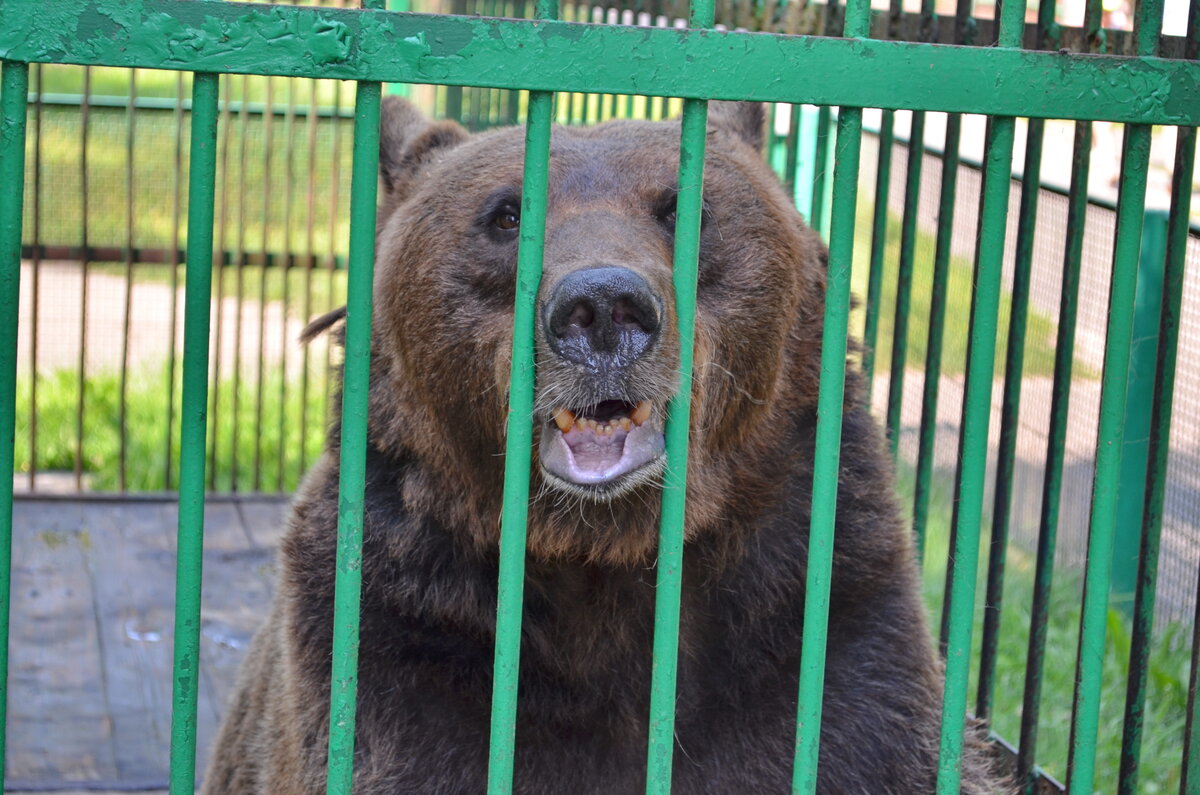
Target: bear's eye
666,212
506,218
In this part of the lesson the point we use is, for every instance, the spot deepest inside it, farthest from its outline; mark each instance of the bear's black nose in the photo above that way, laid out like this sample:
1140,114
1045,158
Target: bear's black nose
604,315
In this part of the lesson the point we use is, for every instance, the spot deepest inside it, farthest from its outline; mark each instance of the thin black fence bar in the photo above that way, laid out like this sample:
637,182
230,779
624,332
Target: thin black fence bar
310,138
1131,202
985,305
828,439
1052,481
262,290
335,180
192,427
353,452
289,183
84,118
937,298
669,575
1014,364
14,85
904,280
239,282
34,272
126,318
518,450
1160,437
173,262
883,182
908,236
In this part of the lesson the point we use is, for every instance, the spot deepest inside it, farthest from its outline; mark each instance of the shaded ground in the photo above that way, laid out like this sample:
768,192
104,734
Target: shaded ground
91,637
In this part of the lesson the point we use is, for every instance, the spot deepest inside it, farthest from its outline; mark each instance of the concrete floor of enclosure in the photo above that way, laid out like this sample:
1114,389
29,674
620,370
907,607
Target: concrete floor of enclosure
91,635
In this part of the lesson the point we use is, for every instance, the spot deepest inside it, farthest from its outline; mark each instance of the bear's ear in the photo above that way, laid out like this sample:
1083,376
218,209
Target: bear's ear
407,140
747,120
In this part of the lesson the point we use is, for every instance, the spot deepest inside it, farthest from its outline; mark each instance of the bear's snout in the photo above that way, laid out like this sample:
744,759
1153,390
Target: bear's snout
602,318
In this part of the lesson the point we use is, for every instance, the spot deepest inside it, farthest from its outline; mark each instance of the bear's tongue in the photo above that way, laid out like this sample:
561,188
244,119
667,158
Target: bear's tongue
600,443
596,452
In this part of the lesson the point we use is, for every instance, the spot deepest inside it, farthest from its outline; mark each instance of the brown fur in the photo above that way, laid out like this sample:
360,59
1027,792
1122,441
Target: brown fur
444,290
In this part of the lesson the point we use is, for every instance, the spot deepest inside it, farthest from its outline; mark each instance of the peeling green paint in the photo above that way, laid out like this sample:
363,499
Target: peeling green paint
541,55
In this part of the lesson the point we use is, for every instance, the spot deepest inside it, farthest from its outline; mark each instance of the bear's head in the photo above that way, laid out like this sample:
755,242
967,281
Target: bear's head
606,338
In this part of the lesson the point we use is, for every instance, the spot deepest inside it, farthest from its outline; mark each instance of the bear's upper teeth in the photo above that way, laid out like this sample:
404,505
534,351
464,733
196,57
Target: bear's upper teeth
566,420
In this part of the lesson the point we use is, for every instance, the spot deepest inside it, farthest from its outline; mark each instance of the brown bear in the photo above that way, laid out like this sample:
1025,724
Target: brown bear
607,357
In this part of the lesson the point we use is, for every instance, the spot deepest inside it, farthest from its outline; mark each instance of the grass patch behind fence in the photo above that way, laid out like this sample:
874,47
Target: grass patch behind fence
285,445
1169,666
1041,329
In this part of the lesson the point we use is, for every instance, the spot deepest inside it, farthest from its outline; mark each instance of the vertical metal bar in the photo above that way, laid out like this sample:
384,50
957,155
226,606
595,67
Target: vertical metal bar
1057,432
883,184
816,218
226,126
904,278
1160,436
1142,432
192,427
364,176
1010,412
335,178
1055,447
937,299
827,451
35,268
84,118
14,87
519,443
126,315
310,259
519,440
286,263
985,305
173,263
1013,372
1135,161
674,496
793,150
239,265
264,272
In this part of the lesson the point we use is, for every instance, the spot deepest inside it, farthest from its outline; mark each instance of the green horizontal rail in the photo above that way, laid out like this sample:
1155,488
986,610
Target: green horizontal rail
13,85
561,56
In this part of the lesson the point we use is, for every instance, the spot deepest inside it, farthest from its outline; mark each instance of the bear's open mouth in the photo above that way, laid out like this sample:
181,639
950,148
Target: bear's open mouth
601,445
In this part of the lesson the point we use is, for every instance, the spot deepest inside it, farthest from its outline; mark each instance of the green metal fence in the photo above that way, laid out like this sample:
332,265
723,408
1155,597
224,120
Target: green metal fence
598,67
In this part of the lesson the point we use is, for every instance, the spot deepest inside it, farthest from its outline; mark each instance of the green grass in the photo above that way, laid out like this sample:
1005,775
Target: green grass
1040,328
146,440
245,196
1170,663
